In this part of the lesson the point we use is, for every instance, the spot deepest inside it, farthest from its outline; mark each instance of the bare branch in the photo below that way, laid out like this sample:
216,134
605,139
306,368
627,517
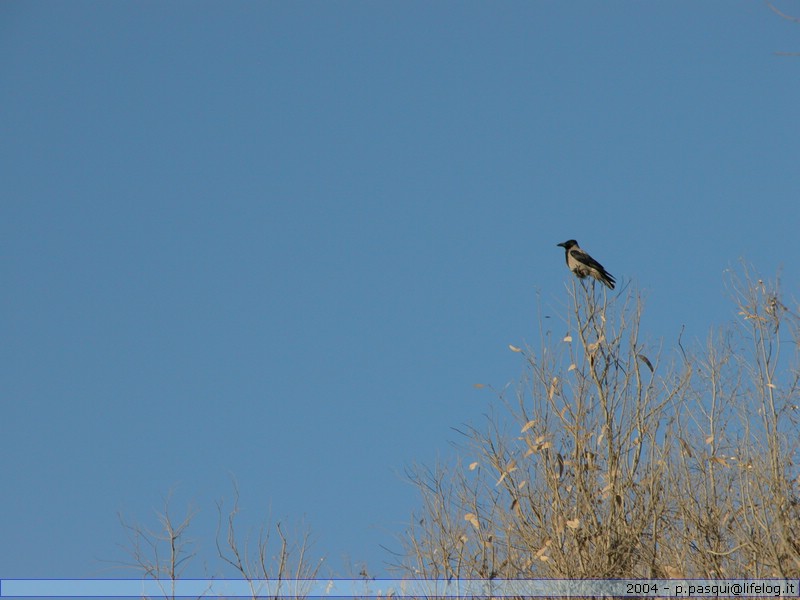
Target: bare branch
781,14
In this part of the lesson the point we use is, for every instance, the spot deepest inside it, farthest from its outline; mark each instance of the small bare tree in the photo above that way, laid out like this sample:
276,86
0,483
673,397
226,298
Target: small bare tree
164,553
160,554
285,560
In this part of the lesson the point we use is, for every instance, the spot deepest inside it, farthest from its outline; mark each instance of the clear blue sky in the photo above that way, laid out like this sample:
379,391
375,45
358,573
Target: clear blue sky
281,241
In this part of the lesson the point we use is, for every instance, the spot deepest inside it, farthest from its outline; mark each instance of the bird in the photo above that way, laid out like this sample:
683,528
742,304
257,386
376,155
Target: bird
580,263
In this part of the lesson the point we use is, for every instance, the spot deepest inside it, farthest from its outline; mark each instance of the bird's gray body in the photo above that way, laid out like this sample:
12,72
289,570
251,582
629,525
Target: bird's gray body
583,265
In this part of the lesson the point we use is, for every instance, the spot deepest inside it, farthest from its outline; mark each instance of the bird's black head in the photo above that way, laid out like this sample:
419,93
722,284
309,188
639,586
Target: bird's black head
568,244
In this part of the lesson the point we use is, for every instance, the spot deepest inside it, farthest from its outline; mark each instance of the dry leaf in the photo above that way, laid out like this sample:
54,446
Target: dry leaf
537,445
574,523
672,572
511,466
725,518
473,466
514,348
478,385
472,518
644,359
567,338
552,390
710,440
572,367
543,549
687,449
719,460
528,425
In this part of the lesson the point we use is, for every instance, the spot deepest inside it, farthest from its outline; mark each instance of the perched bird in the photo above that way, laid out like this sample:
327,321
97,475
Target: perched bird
580,263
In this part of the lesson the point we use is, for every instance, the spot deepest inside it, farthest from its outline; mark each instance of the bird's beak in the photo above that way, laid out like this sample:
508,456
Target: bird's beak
562,245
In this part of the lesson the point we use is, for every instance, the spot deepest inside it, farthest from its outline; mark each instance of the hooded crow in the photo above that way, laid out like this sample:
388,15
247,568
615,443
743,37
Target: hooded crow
580,263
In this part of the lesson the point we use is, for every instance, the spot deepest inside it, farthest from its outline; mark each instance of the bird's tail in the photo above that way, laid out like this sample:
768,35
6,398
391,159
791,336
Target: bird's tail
607,279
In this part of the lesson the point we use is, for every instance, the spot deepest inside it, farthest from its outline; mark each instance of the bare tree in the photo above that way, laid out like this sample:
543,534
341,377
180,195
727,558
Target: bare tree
160,554
163,554
279,561
611,461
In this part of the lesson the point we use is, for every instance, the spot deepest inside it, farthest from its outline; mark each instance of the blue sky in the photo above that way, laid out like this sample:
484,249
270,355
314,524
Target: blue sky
280,241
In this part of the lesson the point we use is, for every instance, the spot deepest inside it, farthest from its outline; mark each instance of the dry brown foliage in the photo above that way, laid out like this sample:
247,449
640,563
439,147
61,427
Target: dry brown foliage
612,461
